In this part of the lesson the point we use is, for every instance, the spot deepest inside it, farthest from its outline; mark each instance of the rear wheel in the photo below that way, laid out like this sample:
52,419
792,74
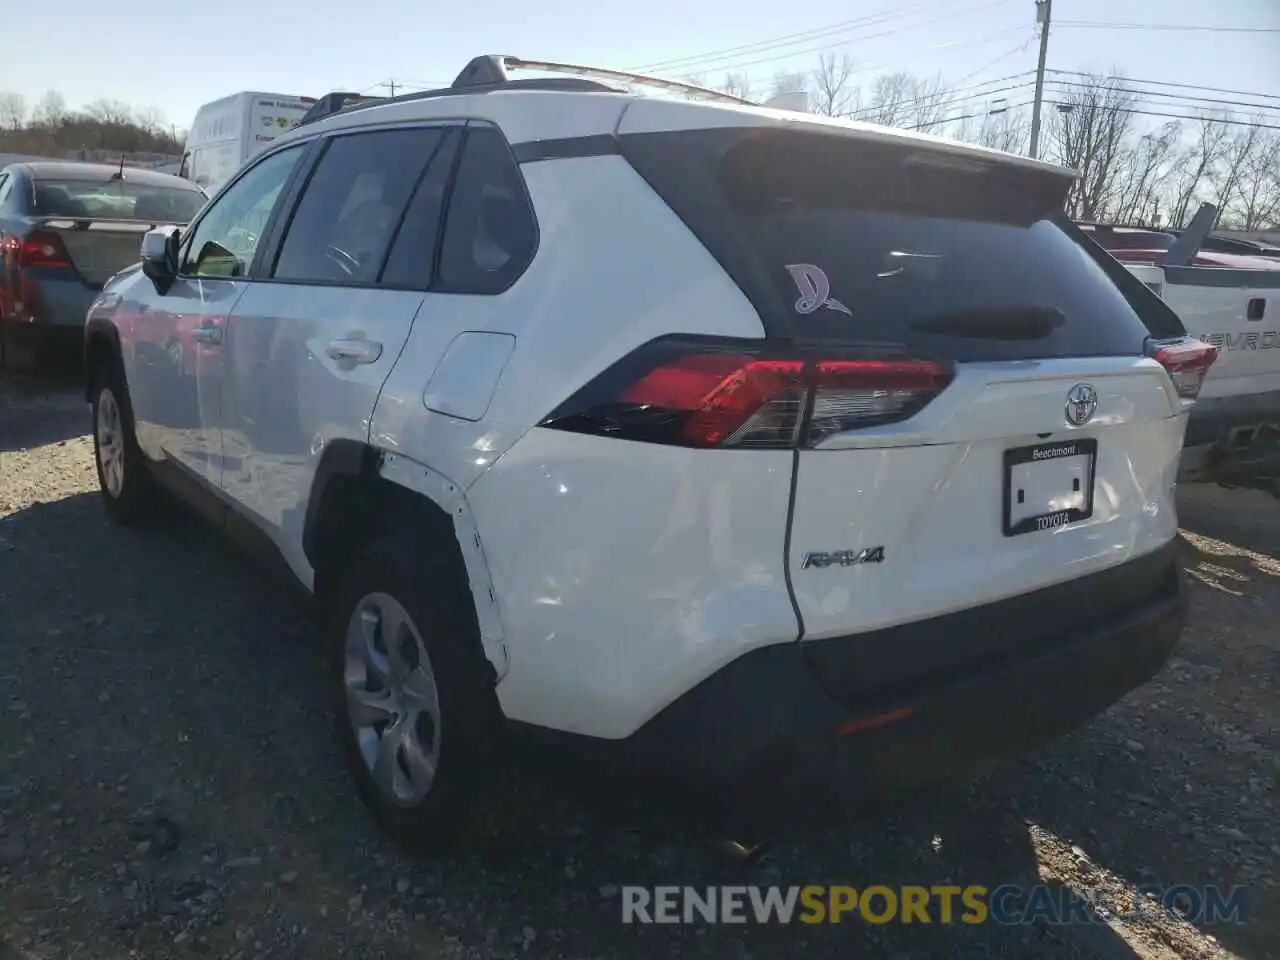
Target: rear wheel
412,696
123,475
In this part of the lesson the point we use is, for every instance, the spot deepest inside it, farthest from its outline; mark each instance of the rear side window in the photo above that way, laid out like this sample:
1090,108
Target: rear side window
412,257
116,200
490,233
6,188
353,205
892,244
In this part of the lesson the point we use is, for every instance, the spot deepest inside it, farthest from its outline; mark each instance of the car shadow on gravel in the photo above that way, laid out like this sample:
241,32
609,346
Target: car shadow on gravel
35,411
168,775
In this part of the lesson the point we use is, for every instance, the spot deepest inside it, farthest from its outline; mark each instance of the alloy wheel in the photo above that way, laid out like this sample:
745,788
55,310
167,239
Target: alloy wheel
110,435
392,701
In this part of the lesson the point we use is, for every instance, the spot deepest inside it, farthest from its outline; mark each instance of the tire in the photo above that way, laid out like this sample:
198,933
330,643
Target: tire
416,715
124,478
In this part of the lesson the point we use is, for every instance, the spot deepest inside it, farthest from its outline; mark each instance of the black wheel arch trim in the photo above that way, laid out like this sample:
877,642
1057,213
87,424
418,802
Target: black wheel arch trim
99,330
340,458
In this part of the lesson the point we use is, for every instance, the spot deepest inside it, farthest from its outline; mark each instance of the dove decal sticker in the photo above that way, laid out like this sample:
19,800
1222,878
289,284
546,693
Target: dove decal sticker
815,289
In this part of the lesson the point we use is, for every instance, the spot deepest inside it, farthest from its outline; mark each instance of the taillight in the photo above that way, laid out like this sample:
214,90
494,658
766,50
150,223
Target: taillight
43,249
1188,361
713,394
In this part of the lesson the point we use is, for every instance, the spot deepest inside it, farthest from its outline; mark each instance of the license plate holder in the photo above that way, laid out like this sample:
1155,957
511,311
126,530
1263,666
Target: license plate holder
1048,485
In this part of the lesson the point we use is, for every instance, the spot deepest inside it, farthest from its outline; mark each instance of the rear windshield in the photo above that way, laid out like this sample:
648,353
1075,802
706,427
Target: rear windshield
881,244
116,200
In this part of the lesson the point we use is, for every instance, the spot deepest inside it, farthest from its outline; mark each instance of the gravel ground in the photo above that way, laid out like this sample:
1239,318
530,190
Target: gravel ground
169,786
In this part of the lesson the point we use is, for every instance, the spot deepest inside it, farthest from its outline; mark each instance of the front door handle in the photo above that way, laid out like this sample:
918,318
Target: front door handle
354,351
210,333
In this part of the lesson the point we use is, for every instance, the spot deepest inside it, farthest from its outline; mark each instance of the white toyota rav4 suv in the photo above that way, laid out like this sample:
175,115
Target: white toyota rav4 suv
784,456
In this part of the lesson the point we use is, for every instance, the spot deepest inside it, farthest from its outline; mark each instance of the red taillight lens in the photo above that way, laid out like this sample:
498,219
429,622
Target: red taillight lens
43,249
701,395
726,399
1188,361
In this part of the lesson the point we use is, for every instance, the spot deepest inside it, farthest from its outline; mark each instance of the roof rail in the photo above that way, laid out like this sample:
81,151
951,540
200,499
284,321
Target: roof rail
492,70
491,73
333,102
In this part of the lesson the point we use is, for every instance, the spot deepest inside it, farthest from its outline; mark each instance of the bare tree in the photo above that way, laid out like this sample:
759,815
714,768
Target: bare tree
1241,143
1005,128
110,112
891,100
1259,189
1089,135
787,83
1145,170
13,111
737,85
151,119
929,103
50,110
833,94
1201,161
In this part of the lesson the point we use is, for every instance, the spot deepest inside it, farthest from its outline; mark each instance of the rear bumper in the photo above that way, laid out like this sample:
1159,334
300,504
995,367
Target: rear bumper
771,742
51,298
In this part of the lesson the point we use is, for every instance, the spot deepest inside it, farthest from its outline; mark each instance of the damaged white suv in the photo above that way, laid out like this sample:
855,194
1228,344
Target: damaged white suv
741,446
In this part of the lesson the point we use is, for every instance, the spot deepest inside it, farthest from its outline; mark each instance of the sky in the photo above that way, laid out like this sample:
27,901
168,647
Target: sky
185,56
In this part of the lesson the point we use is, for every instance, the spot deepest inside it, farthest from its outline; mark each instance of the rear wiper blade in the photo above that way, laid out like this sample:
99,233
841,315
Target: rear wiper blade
1020,323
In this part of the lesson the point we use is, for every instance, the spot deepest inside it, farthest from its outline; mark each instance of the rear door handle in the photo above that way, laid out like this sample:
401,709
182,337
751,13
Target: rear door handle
209,333
354,351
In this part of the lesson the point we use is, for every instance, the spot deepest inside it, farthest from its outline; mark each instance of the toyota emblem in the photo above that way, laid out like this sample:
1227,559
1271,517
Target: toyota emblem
1082,403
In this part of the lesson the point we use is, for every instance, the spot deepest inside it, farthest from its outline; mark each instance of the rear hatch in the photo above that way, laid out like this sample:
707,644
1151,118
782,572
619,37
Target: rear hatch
97,226
991,422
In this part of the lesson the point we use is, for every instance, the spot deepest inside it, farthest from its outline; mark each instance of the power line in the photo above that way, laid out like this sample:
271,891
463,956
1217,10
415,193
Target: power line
1187,98
1163,26
710,61
932,100
1184,116
872,67
1170,83
802,36
969,116
949,95
792,54
1000,59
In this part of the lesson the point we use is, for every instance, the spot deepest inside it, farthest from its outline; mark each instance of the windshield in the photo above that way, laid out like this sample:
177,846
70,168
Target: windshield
116,200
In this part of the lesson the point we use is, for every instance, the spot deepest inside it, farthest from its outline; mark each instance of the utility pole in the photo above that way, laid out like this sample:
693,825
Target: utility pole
1043,10
390,85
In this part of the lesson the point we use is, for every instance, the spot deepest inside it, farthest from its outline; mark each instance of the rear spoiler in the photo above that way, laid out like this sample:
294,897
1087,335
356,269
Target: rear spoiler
1184,249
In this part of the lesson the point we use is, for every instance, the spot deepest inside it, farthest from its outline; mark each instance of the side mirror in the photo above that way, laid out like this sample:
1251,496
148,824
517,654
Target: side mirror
160,257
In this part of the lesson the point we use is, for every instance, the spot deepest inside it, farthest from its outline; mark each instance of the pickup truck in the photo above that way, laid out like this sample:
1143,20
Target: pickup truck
1232,301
